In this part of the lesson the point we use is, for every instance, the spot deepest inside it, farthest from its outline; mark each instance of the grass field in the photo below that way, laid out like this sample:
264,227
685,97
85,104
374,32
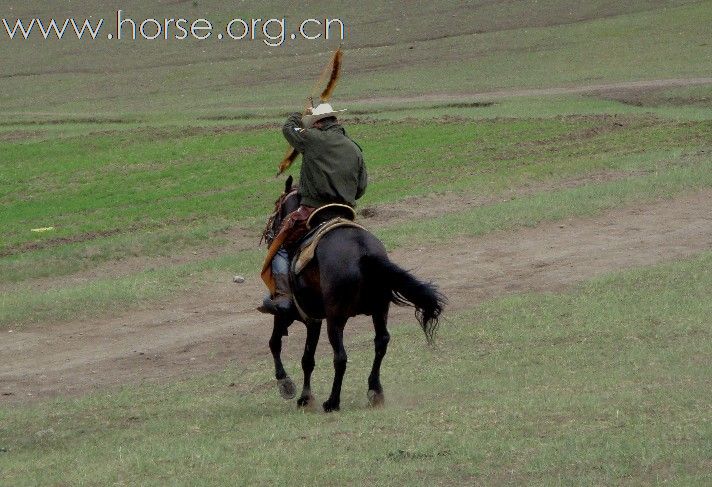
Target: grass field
607,384
168,193
154,164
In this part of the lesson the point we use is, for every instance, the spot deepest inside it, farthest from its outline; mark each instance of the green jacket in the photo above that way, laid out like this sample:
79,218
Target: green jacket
332,164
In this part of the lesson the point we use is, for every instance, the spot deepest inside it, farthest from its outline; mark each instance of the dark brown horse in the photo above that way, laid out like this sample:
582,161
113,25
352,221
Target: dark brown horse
350,275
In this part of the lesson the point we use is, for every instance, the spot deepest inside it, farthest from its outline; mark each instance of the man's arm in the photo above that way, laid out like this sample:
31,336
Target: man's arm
294,132
362,179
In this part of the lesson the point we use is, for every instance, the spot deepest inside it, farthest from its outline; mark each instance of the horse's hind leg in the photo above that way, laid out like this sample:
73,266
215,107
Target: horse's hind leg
287,389
375,390
335,328
313,332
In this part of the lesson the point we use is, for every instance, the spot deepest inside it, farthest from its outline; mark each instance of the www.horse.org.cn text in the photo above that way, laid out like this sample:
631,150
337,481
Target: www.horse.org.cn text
273,32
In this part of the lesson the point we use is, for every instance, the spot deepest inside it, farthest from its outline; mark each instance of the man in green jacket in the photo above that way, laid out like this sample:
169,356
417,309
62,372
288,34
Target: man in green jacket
332,171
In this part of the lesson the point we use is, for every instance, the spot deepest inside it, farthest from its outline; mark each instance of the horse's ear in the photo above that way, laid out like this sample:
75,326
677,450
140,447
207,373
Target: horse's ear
288,184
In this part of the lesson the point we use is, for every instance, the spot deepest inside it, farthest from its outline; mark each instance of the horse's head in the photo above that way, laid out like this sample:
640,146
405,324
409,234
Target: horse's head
285,204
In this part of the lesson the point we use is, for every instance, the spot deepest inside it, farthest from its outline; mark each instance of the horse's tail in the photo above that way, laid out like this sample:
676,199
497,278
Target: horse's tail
407,290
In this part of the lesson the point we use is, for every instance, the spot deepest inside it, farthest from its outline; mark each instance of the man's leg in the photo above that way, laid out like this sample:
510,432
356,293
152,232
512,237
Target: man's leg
280,263
280,271
293,228
281,302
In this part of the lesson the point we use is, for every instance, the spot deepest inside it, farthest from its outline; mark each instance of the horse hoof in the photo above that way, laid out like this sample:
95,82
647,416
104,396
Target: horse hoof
306,402
329,407
287,389
375,399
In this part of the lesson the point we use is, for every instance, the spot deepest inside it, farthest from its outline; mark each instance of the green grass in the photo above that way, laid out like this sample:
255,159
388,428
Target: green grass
108,295
159,208
152,191
606,384
70,258
474,158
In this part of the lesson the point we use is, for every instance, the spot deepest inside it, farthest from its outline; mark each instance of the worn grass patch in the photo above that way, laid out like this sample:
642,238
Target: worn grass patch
582,201
695,96
606,384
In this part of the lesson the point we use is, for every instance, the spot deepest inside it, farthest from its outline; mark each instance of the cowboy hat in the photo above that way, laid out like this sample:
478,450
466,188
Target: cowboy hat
323,110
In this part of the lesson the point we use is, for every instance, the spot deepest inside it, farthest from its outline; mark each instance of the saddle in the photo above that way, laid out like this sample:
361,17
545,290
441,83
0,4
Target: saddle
322,221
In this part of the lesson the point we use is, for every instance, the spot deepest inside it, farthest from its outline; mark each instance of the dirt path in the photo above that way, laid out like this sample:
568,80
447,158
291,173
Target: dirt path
217,327
513,93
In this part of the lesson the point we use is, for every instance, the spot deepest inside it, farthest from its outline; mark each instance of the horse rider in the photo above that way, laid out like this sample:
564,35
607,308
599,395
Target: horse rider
332,171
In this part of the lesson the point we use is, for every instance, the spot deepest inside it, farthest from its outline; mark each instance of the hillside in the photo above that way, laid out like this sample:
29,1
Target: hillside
392,49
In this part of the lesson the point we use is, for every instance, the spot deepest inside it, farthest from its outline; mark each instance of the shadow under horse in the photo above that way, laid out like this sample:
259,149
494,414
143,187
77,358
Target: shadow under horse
349,275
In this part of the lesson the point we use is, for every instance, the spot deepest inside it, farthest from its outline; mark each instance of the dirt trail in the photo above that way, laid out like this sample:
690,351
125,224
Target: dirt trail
513,93
217,327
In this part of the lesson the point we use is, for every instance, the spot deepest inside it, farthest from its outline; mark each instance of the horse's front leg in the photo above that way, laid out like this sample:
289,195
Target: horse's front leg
287,389
335,328
313,332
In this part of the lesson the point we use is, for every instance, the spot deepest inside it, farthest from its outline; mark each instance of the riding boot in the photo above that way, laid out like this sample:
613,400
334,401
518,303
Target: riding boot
281,303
